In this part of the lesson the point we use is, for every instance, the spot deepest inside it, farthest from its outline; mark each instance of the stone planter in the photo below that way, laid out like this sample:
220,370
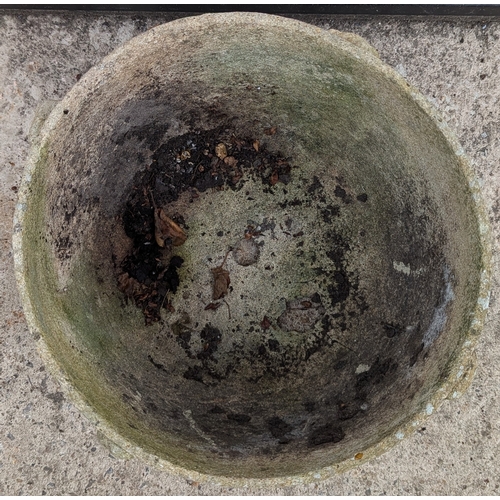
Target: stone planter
326,250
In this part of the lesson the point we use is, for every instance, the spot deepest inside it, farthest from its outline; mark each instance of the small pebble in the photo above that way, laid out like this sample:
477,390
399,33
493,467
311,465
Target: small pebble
246,252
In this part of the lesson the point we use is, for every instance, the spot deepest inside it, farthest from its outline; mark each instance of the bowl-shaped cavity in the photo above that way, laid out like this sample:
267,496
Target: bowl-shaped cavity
250,247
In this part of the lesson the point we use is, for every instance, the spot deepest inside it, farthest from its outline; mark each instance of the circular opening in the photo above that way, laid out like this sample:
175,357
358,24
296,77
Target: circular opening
252,253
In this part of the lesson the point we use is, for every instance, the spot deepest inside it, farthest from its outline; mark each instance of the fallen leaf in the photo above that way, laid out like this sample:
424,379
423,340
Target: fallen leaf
221,151
213,306
127,285
230,161
221,280
358,456
274,178
166,228
256,145
270,131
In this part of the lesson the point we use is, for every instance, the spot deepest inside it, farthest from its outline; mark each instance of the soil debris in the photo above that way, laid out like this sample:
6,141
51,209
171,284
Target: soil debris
221,151
190,164
150,295
167,230
213,306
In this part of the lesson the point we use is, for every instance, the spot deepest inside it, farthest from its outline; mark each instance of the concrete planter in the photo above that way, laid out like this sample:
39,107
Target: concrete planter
359,277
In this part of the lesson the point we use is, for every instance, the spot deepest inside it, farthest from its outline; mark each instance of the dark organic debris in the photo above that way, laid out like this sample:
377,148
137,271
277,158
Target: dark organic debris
221,280
192,164
213,306
147,283
167,230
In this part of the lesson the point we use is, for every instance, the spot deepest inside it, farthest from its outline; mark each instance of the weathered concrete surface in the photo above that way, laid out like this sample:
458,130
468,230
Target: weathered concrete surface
46,445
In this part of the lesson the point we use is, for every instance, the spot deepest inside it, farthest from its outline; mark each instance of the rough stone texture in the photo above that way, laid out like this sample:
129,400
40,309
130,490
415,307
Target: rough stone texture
48,446
246,252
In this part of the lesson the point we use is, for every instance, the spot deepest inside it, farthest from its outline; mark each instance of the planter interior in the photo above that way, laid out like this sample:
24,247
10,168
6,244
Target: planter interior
365,262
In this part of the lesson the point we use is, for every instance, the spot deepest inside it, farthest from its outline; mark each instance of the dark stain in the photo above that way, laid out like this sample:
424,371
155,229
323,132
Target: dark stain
239,418
348,410
378,371
274,345
392,330
309,406
216,410
279,428
414,356
340,192
329,213
339,290
316,184
183,336
56,397
211,337
158,366
194,373
329,433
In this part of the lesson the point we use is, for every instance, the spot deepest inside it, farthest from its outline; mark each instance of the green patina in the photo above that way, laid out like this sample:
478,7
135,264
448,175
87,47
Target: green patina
91,334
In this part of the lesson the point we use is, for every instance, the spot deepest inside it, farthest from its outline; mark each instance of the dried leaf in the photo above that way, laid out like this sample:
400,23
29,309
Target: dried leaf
230,161
127,285
166,228
213,306
256,145
358,456
270,131
221,280
274,178
221,151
